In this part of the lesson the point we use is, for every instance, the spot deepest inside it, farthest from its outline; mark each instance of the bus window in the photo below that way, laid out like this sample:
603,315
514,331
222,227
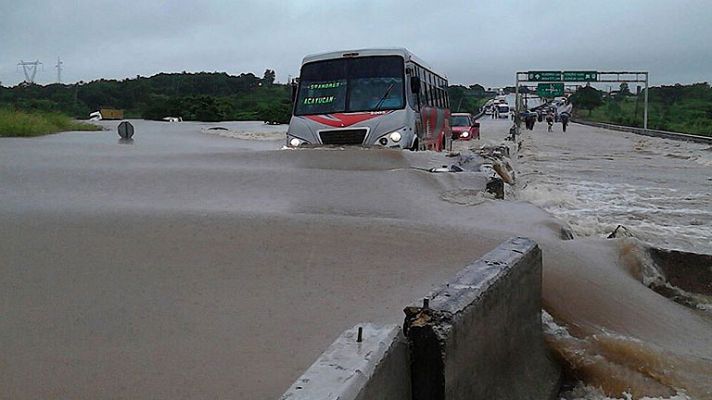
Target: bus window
322,88
423,88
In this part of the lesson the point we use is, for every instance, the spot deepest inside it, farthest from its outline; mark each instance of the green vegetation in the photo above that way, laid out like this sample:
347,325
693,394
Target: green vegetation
200,96
678,108
36,123
587,98
468,99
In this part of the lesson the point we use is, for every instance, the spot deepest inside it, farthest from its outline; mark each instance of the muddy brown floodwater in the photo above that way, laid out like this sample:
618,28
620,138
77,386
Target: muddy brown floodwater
199,264
618,335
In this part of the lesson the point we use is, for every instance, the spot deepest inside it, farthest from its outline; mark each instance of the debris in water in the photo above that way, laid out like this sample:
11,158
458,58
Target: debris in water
496,187
445,168
620,231
504,172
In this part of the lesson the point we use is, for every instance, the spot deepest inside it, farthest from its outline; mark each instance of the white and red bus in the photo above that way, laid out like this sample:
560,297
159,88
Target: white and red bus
372,97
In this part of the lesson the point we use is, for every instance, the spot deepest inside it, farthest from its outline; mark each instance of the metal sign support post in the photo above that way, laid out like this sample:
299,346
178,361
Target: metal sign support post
645,110
516,103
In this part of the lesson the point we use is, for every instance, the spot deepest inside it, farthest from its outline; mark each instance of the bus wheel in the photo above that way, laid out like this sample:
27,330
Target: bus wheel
416,145
442,144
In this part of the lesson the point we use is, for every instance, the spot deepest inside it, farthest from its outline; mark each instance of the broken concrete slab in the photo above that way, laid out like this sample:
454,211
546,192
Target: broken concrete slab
479,336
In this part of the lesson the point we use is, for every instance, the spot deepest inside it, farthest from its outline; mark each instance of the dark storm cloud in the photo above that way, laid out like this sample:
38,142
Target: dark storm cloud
471,41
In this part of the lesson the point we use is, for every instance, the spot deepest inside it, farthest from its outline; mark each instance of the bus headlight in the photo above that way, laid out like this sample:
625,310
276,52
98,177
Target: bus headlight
395,136
295,142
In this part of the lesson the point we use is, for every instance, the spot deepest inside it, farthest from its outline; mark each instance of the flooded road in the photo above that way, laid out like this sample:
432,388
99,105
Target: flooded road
595,180
188,264
200,263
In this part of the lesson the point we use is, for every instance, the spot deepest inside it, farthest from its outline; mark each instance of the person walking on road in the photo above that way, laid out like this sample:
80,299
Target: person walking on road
565,114
564,117
530,118
550,120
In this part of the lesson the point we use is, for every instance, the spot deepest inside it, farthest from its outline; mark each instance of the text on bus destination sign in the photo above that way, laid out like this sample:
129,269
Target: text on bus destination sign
318,100
325,85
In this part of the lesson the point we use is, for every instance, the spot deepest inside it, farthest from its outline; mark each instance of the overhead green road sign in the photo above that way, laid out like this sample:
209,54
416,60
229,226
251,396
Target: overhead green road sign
544,76
580,76
550,89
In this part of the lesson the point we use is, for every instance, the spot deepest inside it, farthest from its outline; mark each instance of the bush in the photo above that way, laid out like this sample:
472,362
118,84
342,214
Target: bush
275,114
25,124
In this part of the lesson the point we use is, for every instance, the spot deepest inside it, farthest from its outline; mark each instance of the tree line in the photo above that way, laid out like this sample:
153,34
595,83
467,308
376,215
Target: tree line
677,108
202,96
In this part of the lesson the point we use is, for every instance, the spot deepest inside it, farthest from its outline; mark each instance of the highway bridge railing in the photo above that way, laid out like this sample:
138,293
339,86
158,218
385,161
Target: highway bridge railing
648,132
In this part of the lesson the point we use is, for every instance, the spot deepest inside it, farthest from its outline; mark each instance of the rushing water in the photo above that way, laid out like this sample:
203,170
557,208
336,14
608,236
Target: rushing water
595,180
618,340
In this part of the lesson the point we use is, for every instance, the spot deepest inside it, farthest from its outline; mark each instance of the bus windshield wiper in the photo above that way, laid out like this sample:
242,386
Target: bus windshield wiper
385,96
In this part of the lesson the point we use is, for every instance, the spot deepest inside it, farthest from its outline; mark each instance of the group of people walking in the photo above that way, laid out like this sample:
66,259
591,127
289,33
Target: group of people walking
551,117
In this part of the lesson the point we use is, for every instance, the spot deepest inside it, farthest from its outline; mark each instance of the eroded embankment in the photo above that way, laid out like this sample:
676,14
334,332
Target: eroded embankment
619,334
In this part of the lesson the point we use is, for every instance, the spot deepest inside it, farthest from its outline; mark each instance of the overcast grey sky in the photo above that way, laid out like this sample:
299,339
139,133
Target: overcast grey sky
469,40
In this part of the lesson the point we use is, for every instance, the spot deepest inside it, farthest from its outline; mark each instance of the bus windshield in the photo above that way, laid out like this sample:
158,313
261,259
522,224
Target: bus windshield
351,85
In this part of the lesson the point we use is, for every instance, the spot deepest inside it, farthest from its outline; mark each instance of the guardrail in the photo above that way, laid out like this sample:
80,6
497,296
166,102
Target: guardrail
648,132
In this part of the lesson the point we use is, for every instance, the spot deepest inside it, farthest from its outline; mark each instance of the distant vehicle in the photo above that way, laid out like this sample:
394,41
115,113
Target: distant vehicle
464,127
371,97
173,119
502,110
111,113
95,116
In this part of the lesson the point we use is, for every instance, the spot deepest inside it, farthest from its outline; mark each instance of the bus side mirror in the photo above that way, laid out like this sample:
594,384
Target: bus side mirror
415,84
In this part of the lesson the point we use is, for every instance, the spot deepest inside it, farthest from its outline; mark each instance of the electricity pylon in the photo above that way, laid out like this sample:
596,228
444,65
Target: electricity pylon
30,69
59,70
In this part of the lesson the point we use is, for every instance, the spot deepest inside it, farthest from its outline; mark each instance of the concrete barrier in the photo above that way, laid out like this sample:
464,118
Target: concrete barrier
377,368
648,132
479,336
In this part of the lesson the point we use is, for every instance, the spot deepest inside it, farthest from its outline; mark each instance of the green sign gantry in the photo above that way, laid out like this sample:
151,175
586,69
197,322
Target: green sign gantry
544,76
550,89
580,76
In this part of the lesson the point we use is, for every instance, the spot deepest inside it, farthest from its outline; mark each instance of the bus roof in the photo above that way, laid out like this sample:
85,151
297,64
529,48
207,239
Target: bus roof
396,51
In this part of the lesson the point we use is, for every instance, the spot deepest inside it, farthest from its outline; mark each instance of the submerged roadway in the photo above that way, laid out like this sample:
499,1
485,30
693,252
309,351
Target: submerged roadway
190,265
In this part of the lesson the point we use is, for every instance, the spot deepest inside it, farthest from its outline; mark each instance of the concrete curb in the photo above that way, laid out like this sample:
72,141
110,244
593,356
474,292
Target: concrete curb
648,132
374,369
479,336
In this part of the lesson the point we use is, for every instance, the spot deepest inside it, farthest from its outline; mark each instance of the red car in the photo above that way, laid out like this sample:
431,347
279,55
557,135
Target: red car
464,127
